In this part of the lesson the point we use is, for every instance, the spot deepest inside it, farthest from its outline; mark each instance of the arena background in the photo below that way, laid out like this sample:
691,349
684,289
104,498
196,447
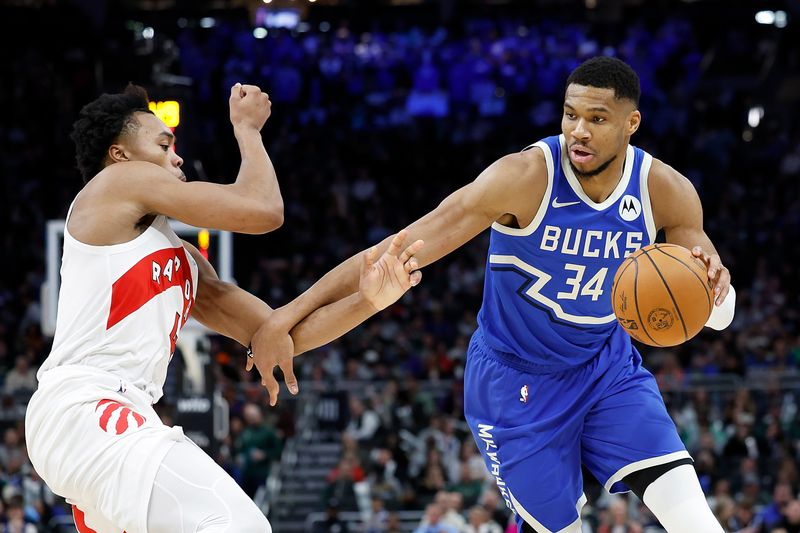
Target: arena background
380,109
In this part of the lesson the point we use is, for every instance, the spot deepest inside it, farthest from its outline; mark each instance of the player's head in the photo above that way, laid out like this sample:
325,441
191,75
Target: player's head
120,127
600,113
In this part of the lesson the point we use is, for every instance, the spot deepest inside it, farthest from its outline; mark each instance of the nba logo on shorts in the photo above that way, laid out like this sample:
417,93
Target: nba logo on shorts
523,394
116,419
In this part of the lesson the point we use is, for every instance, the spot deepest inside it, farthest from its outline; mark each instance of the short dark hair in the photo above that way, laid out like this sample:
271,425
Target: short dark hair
101,122
608,73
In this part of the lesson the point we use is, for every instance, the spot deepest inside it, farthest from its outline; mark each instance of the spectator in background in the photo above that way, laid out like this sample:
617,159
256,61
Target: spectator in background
432,479
22,378
451,503
480,522
13,456
377,517
468,487
341,482
258,446
616,519
332,523
775,511
432,521
16,521
364,422
790,522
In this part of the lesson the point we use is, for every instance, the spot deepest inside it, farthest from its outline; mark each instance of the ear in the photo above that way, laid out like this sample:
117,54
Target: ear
116,153
634,119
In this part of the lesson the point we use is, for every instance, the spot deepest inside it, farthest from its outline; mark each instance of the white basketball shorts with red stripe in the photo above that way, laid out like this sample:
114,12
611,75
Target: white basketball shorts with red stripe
97,442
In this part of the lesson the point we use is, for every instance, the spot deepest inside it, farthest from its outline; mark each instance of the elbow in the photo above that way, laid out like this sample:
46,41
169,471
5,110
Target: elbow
276,215
266,219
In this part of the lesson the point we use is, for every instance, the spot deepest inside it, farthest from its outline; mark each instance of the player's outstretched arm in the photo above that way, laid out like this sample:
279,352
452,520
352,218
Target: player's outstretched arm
382,282
678,211
252,204
509,186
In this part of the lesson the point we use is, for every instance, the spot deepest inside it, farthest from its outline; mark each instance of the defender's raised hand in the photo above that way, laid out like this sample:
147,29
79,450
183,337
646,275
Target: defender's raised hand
385,280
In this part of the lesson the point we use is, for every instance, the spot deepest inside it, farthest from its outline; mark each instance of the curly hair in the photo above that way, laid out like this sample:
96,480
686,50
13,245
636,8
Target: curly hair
101,123
608,73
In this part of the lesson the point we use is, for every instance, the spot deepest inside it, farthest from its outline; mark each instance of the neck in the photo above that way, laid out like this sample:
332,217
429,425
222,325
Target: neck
599,185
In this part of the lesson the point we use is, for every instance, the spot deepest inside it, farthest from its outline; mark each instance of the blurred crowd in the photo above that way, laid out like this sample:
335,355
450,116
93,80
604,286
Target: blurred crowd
371,128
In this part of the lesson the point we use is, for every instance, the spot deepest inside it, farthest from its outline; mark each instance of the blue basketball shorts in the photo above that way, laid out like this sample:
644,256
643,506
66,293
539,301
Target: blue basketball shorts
535,430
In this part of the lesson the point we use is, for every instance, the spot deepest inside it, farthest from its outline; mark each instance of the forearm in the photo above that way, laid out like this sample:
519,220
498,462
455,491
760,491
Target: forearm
334,286
257,175
231,311
330,322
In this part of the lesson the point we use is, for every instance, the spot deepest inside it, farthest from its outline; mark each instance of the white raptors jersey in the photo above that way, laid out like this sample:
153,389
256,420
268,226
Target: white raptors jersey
120,307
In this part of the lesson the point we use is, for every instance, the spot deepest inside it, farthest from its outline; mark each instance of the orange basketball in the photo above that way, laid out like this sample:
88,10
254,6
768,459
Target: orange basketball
661,295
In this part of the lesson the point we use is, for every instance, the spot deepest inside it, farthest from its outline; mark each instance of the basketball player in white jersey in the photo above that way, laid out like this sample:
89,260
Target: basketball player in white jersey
128,286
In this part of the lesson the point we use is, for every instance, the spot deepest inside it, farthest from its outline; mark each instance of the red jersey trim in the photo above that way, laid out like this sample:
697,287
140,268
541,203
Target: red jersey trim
152,275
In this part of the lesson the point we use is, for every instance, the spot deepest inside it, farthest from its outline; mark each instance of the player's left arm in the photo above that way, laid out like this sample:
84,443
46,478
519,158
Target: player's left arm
678,211
224,307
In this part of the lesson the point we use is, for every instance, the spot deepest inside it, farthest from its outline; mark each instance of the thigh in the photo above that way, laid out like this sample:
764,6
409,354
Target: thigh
192,493
529,439
629,429
99,448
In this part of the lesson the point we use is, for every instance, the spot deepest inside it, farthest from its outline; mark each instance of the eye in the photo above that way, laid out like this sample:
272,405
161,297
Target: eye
570,116
165,147
599,120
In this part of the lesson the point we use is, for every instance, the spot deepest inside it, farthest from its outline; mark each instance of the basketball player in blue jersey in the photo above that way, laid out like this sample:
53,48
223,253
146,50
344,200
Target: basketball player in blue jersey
552,380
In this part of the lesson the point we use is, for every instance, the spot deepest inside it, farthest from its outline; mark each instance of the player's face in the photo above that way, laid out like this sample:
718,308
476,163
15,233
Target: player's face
597,127
154,142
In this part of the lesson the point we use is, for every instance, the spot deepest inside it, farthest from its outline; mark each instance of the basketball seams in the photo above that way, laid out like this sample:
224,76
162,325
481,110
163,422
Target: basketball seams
708,295
669,291
616,282
636,299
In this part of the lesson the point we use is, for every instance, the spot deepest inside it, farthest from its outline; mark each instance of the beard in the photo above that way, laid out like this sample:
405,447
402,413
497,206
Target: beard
591,173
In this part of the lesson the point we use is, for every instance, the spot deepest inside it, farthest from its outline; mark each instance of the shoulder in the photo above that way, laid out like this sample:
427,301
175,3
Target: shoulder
519,168
672,195
513,185
666,181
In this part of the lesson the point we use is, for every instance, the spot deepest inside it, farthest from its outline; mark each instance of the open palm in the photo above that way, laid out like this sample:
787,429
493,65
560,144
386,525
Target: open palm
385,280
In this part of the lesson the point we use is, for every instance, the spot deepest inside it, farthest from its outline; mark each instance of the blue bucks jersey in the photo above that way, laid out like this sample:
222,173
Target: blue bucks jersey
547,293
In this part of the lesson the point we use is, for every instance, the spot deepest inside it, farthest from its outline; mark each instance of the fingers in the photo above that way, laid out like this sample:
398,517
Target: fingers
415,247
271,384
239,90
369,258
411,265
415,278
698,252
397,243
722,287
713,262
717,274
288,375
250,364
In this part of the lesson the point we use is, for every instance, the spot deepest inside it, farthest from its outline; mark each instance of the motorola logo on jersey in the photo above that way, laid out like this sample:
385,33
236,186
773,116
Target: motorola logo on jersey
629,208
